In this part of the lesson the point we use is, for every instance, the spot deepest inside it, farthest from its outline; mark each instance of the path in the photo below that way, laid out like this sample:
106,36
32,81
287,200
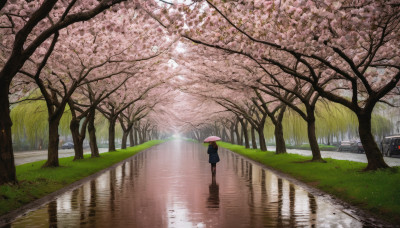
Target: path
39,155
170,185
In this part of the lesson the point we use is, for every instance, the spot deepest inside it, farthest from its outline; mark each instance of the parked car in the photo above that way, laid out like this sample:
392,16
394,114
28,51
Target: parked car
346,146
358,148
351,146
390,146
68,145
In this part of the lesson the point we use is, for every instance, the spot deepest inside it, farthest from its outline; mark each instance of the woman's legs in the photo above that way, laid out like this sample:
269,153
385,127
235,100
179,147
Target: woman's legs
213,167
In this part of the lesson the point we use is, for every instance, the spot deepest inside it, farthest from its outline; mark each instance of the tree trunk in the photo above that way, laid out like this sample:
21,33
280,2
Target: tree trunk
124,139
374,156
240,130
52,157
76,137
135,136
238,139
144,136
279,139
92,136
224,135
245,133
263,145
253,138
216,130
125,133
241,136
7,166
232,133
312,139
111,134
131,142
140,136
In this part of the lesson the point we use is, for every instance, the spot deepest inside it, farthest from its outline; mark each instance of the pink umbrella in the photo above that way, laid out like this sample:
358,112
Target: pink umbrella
212,138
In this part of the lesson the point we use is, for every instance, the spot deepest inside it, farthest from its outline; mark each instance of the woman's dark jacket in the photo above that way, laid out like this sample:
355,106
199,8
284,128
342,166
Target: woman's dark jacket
213,154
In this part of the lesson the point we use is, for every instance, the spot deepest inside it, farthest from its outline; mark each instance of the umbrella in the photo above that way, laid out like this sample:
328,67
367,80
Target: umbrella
212,138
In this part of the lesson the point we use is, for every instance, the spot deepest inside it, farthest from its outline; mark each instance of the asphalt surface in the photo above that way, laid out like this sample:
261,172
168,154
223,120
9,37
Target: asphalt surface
39,155
171,185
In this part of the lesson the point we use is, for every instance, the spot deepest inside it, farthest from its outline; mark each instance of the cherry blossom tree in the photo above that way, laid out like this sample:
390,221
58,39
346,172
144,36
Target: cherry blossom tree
25,26
236,76
235,100
128,119
82,110
131,117
353,45
131,92
289,90
80,66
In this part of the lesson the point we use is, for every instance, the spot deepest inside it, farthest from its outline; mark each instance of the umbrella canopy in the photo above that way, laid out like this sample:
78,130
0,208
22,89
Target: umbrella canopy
212,138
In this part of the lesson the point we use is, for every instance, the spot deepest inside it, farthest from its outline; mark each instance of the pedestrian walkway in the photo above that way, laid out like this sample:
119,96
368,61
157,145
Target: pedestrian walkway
170,185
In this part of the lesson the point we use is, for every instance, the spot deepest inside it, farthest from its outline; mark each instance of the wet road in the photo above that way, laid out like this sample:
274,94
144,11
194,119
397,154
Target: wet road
39,155
170,185
341,156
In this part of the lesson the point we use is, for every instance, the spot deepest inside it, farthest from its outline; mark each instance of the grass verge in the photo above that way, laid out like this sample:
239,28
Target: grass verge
36,182
376,192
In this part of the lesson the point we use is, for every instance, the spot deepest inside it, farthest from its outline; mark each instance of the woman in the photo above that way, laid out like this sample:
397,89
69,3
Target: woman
213,156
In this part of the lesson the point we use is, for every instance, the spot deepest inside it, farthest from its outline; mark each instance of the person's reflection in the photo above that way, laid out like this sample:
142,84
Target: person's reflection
213,198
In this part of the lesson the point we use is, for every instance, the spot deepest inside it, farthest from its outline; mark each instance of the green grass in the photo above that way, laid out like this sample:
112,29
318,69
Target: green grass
375,191
36,182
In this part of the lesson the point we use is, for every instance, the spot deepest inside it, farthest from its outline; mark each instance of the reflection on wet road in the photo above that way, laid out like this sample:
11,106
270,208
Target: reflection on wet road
170,185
